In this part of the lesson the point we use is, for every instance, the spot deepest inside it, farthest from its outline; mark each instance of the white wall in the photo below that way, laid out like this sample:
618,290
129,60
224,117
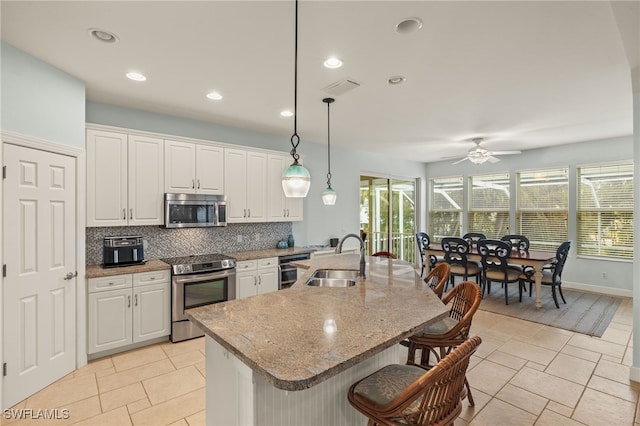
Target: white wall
577,270
39,100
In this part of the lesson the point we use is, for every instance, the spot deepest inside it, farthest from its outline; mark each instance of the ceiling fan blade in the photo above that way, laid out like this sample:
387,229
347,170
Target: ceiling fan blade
492,159
461,160
504,152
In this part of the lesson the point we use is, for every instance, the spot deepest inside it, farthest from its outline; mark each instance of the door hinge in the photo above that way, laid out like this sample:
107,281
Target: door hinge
4,369
4,270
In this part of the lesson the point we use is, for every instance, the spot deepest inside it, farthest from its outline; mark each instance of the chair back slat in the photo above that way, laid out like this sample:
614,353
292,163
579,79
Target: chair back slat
456,251
561,257
438,277
518,242
473,237
494,254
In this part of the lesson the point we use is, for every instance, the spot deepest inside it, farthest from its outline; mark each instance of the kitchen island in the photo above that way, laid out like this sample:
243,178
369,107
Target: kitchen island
288,357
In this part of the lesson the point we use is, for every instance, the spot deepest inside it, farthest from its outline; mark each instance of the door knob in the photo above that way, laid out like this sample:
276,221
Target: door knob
70,275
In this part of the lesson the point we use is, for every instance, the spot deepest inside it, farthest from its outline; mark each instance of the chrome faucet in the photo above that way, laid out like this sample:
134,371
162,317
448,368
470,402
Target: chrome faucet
362,262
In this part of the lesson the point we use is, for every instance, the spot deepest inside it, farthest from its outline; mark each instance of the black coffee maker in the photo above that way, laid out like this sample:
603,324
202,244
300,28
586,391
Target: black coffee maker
121,251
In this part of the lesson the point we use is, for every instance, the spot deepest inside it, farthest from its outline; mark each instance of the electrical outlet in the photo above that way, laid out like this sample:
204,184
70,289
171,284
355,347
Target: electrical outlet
239,238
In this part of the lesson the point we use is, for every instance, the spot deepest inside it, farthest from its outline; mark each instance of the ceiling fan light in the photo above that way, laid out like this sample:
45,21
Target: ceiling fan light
478,159
296,181
329,196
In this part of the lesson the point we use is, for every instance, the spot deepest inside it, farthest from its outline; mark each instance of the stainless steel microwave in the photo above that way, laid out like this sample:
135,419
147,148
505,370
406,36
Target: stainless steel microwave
194,210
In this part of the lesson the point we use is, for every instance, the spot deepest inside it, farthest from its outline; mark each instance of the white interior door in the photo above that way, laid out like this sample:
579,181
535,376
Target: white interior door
40,285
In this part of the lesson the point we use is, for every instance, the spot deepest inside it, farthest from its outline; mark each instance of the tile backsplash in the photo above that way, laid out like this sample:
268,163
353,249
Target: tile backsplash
162,242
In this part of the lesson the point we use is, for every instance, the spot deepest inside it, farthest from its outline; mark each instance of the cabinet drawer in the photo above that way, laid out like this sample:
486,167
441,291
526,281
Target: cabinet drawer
246,265
268,262
153,277
109,283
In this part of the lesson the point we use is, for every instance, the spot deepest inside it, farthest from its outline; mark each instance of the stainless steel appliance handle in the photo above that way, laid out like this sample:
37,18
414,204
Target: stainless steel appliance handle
186,279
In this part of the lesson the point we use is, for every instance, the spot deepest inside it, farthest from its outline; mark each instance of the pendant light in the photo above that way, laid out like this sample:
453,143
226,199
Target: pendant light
295,179
329,195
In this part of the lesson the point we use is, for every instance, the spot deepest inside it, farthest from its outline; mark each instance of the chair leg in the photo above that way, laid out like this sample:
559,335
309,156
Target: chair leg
561,295
469,396
520,291
506,293
553,293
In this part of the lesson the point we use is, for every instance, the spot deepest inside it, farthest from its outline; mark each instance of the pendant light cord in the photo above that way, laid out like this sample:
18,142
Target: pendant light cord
329,144
295,139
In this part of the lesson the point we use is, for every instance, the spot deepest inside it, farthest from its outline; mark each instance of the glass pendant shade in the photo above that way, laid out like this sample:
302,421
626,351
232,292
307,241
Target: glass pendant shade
329,196
296,181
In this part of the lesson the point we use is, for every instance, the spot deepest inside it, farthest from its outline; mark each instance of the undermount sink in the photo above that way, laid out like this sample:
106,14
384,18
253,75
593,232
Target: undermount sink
333,278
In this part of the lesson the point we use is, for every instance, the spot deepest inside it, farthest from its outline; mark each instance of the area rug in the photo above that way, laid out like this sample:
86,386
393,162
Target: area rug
586,313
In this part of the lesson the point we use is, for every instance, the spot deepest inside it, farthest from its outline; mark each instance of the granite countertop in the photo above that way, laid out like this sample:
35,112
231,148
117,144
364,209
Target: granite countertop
263,254
96,271
281,335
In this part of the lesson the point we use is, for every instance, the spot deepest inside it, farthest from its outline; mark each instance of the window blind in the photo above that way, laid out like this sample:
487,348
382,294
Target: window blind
445,207
489,204
605,211
543,207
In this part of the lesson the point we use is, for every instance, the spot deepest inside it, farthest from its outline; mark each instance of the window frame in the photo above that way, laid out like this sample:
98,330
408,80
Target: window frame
451,180
500,210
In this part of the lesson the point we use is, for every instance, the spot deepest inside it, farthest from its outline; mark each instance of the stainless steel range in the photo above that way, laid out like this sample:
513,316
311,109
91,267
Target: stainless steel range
198,281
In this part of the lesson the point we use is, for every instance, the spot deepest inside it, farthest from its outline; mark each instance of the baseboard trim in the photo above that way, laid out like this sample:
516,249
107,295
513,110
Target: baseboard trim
620,292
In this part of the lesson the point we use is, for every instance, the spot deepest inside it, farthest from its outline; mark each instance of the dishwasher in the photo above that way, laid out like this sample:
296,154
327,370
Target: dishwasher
289,273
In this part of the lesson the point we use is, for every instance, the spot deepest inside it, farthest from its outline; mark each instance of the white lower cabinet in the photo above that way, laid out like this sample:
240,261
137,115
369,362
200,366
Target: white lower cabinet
256,277
126,309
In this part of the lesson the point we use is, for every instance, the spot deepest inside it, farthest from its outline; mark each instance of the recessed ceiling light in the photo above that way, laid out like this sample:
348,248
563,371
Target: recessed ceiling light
409,25
333,62
136,76
396,79
286,113
103,35
215,96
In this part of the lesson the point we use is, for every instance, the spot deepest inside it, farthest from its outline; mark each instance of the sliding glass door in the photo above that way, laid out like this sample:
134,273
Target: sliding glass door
388,216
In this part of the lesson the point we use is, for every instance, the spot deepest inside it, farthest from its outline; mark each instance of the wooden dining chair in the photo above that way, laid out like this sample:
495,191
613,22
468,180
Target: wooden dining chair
441,337
407,395
438,277
456,251
494,255
386,254
551,273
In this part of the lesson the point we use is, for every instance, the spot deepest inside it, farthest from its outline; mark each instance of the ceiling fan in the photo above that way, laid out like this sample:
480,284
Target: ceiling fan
480,155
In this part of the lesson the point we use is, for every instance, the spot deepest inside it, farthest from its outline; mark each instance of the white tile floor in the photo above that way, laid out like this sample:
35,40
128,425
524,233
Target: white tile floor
524,373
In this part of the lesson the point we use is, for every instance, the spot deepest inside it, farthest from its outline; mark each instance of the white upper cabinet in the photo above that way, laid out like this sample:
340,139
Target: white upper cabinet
280,208
246,185
124,179
194,168
145,189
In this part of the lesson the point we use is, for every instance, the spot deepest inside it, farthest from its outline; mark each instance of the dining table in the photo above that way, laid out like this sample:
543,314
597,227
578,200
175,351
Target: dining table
534,258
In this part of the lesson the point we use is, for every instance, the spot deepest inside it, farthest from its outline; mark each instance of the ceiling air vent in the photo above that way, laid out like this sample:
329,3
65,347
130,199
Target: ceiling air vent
341,87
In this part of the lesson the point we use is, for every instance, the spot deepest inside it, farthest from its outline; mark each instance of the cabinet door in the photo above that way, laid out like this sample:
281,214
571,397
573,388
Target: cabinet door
151,316
146,181
256,181
294,209
235,178
276,209
268,279
246,284
180,167
209,169
106,178
110,320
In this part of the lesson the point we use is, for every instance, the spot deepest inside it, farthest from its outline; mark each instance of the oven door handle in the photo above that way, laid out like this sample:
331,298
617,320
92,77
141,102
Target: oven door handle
185,279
